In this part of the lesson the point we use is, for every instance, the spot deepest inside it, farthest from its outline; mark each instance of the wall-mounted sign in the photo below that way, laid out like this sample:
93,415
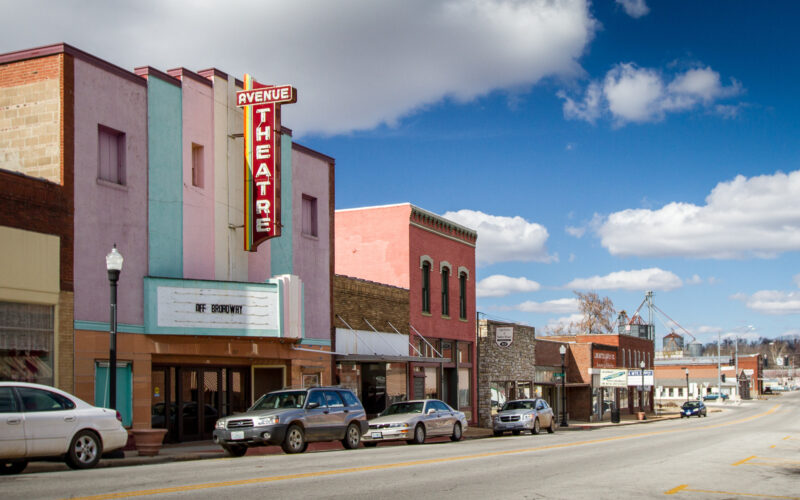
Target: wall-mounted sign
262,158
614,378
604,359
504,335
635,378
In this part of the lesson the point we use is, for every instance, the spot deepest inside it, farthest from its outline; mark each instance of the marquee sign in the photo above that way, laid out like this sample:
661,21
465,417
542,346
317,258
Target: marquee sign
262,158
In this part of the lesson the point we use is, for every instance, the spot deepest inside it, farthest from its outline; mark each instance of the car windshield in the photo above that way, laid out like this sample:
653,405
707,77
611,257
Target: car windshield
405,407
691,404
518,405
288,399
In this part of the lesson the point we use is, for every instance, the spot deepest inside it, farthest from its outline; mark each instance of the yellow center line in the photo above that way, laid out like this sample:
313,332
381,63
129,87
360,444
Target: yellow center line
685,487
332,472
740,462
787,437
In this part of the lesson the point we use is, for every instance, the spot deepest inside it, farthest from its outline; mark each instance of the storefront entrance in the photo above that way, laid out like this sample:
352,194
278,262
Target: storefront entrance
188,400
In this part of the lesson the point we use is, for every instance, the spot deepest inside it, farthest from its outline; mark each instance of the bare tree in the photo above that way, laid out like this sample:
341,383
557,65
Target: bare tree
598,313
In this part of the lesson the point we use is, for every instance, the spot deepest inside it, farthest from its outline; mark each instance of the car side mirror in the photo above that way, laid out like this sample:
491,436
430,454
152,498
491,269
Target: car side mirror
311,406
431,411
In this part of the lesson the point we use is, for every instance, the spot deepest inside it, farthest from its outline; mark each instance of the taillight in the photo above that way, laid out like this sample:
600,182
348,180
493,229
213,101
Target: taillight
119,416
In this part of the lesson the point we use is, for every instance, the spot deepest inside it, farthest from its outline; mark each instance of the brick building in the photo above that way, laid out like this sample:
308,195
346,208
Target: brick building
434,258
681,379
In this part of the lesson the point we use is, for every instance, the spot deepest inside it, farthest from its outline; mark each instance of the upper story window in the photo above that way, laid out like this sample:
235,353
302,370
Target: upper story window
197,165
462,295
426,287
309,215
110,155
445,291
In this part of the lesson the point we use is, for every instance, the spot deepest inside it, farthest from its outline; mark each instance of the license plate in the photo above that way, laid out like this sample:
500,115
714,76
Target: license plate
237,435
376,435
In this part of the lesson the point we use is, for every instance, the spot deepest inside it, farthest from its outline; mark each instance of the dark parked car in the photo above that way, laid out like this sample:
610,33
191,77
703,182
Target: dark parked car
714,397
692,408
294,418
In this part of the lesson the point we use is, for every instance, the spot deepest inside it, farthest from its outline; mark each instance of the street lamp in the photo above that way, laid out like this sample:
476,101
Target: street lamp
563,351
686,370
113,266
641,395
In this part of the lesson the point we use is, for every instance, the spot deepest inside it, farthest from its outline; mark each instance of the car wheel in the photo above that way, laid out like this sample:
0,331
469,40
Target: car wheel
294,442
456,433
235,450
497,433
370,444
12,467
419,434
552,428
84,451
352,437
536,427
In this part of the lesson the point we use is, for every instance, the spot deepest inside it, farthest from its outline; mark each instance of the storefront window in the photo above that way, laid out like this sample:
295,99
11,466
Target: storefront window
431,382
623,398
464,387
427,348
26,342
395,383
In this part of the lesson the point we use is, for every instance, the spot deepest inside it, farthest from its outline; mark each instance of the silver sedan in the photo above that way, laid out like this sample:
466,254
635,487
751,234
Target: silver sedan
524,414
414,421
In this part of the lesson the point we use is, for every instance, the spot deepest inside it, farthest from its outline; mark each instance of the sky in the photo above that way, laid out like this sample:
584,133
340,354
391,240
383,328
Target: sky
608,146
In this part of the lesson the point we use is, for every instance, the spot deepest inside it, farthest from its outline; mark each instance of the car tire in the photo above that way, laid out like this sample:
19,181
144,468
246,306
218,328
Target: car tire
7,468
295,440
84,450
370,444
537,427
352,437
419,434
456,436
497,433
235,450
552,427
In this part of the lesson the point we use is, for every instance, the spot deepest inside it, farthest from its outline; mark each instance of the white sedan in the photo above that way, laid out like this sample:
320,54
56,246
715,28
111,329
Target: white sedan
40,422
413,421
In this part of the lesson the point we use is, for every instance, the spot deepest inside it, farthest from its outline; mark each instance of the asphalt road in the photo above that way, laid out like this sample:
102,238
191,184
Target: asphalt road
746,451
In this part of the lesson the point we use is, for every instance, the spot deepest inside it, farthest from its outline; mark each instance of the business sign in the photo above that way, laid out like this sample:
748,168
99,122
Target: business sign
262,158
210,308
504,335
635,378
614,378
604,359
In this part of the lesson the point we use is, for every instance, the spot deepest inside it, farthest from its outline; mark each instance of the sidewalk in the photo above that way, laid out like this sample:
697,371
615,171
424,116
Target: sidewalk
201,450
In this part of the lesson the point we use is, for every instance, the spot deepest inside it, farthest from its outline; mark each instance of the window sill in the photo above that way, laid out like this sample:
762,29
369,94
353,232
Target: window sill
112,185
310,236
445,316
424,313
463,320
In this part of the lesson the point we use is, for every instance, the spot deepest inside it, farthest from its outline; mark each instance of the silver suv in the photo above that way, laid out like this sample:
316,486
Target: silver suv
294,418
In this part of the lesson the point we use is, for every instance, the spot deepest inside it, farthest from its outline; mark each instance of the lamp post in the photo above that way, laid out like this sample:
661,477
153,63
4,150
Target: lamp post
563,351
113,266
686,370
641,394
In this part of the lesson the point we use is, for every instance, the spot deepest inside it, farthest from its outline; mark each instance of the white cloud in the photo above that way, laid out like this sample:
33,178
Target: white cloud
503,239
756,216
705,329
772,302
634,8
642,279
575,231
630,94
694,280
499,285
564,322
557,306
357,64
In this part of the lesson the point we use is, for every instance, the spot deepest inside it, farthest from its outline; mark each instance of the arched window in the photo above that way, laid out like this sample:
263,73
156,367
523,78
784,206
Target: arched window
445,291
426,287
462,295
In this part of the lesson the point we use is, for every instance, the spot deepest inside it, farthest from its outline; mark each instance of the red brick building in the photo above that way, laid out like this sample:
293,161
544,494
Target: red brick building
434,258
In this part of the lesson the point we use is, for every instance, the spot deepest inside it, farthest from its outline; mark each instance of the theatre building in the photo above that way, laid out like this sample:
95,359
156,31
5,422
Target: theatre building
152,161
434,259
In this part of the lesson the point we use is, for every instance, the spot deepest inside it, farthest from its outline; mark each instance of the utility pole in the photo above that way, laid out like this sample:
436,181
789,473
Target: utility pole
719,371
736,363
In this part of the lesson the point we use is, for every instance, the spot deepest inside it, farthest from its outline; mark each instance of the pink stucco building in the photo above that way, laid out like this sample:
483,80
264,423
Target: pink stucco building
434,258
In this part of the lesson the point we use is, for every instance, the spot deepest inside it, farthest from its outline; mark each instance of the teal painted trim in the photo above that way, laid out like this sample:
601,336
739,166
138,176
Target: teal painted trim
151,326
165,178
281,260
100,326
124,390
322,342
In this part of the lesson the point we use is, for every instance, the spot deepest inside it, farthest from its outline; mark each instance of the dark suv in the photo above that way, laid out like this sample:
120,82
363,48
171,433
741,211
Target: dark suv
293,418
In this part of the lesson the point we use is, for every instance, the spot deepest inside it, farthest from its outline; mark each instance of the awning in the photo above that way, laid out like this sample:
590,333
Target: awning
377,358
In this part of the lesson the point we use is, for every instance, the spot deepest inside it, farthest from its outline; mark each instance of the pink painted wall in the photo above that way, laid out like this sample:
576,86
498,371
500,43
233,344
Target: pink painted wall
373,243
107,213
312,255
198,202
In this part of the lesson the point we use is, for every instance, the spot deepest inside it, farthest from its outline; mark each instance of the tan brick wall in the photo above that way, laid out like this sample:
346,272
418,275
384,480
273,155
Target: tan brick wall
65,338
30,118
355,299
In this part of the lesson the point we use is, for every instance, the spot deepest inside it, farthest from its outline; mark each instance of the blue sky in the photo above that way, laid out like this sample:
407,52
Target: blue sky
611,146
